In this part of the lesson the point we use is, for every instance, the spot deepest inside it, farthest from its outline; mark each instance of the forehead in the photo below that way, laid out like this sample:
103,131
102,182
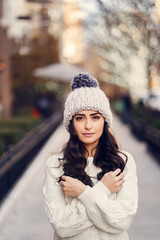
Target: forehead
87,112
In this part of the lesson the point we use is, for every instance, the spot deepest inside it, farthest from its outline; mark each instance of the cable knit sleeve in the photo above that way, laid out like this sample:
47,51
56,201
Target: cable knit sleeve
117,213
66,219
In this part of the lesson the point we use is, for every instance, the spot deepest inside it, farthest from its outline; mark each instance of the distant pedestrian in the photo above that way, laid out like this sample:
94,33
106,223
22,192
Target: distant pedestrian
90,189
127,108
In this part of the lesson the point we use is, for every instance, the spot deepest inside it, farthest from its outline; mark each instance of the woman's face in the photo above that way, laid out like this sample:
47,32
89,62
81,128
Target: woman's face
89,127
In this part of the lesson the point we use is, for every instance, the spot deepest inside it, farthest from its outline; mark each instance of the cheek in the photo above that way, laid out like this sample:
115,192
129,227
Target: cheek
77,127
99,128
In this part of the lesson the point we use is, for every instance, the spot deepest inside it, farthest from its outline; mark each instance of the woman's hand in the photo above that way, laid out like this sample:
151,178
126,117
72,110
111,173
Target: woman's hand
113,182
72,187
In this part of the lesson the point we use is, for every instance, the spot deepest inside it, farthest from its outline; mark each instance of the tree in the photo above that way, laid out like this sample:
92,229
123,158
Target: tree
125,32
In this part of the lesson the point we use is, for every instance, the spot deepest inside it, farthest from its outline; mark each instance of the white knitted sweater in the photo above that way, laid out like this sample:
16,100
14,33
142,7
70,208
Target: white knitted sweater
96,214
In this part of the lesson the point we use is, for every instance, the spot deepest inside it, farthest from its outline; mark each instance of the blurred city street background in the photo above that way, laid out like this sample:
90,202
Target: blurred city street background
22,215
43,44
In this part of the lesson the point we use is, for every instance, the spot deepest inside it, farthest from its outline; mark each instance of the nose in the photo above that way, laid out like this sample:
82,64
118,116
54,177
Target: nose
88,124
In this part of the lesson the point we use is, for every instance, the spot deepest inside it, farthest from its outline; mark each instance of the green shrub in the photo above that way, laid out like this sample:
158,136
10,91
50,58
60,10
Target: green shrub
143,114
146,115
14,129
2,146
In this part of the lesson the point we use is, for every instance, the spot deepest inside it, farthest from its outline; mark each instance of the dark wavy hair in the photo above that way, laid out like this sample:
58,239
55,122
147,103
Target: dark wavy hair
106,157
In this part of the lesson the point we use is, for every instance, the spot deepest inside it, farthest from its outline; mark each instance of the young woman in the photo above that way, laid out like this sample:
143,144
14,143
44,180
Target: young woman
90,189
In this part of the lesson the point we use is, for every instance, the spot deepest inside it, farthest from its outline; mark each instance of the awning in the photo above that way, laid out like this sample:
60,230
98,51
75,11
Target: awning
60,72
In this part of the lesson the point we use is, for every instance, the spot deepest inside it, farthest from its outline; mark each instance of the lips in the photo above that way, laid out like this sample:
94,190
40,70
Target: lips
88,134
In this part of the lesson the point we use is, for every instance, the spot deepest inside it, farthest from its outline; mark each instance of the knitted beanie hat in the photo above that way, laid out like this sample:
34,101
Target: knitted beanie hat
86,95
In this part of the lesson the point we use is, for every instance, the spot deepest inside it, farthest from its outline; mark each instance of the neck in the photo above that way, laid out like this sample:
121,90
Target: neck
91,150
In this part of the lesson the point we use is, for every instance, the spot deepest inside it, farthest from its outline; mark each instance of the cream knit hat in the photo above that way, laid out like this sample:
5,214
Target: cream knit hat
86,95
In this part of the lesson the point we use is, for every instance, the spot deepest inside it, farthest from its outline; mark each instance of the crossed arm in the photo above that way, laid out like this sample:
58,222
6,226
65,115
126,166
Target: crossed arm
91,206
74,188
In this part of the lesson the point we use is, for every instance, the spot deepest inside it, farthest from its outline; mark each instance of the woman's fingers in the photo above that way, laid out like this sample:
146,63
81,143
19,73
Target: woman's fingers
64,177
62,183
72,187
117,171
120,183
120,177
64,180
114,180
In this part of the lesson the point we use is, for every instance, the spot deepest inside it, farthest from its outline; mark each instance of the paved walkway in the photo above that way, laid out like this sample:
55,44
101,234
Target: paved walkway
146,225
22,215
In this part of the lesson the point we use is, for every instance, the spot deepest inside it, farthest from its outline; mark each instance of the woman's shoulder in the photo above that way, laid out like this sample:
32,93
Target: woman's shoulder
54,165
128,158
55,160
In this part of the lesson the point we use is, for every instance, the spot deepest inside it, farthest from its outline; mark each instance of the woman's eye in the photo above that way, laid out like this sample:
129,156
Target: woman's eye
79,118
96,117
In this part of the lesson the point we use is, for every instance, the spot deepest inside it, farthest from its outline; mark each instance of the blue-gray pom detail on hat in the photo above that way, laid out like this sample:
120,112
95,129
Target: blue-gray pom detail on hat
83,80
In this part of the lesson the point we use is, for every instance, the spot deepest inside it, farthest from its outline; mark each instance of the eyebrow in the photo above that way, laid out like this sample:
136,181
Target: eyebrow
92,114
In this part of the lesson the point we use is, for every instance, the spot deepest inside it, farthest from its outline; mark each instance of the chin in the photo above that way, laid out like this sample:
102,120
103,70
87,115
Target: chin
88,141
